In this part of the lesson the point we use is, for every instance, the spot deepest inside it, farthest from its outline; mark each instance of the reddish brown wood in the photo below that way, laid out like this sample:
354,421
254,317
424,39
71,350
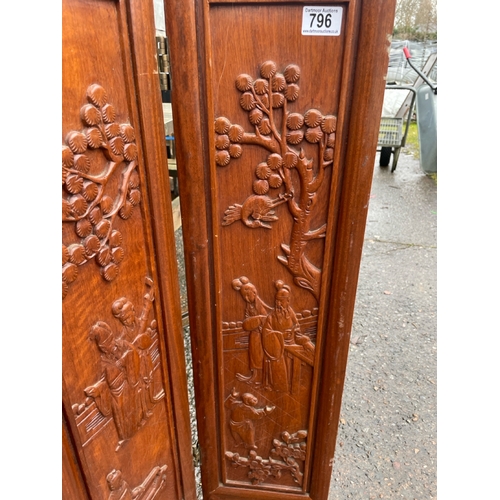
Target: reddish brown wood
124,376
273,208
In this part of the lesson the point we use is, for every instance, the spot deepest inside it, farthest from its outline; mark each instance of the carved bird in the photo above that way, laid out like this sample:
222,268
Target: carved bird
256,211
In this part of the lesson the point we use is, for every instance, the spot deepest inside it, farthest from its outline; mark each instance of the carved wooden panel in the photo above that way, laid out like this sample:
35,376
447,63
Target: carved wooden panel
274,208
124,380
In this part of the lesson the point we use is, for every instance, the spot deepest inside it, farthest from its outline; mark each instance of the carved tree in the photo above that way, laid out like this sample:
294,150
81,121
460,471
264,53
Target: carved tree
281,133
86,202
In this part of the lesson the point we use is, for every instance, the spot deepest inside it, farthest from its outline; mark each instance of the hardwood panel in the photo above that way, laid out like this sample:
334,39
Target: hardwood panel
124,378
281,146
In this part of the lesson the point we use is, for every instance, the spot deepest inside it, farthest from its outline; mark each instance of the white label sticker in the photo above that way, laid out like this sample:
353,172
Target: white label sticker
321,21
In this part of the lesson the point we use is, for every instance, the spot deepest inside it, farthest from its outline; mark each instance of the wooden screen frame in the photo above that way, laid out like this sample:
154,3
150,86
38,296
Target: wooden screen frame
369,26
137,21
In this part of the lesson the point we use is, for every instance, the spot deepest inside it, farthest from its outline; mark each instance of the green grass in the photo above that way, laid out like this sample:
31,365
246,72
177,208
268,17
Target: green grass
412,145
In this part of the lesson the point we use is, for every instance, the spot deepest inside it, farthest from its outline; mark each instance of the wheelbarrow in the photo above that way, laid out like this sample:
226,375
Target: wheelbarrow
391,136
426,106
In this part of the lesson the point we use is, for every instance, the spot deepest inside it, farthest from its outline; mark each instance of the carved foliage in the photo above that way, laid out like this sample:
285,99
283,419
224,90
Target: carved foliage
280,132
88,202
285,456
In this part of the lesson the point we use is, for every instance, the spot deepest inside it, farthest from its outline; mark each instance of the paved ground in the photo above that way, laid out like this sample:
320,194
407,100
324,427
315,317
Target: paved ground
386,446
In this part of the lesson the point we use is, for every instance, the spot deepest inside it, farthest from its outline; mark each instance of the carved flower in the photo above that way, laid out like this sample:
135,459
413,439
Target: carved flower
74,183
260,186
104,256
263,171
65,289
290,159
83,228
82,164
294,121
77,254
279,83
77,142
330,142
108,113
126,210
90,115
313,118
314,135
222,125
117,254
261,86
69,272
265,127
222,158
275,181
255,116
292,92
78,204
278,100
134,180
328,156
112,130
274,161
95,216
107,204
116,238
268,69
91,245
117,145
94,137
235,150
102,228
247,101
295,136
222,141
236,133
110,272
292,73
97,95
329,124
130,152
127,132
134,197
65,254
244,82
90,190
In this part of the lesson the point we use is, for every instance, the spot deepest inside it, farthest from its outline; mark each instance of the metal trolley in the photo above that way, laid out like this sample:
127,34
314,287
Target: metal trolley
391,137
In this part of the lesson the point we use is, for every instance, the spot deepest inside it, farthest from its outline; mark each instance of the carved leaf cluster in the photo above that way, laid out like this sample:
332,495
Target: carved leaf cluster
87,202
287,452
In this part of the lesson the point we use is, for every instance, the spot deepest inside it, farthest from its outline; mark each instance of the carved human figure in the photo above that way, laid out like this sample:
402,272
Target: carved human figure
281,328
117,392
242,414
118,487
136,331
256,311
147,490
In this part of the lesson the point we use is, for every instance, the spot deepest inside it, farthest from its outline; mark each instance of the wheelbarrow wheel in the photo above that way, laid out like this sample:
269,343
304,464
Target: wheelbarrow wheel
385,156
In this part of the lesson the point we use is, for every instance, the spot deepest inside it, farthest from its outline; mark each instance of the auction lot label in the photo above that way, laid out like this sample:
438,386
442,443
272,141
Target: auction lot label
321,20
